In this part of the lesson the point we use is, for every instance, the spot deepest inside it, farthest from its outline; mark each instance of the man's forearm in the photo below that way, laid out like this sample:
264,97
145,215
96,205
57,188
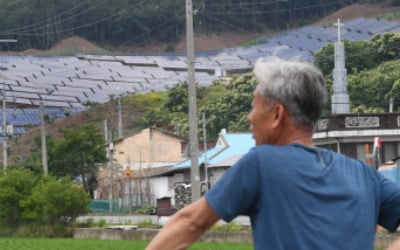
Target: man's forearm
395,245
185,227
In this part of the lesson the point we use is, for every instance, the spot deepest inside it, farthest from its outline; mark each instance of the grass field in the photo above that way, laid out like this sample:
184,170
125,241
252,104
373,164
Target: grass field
92,244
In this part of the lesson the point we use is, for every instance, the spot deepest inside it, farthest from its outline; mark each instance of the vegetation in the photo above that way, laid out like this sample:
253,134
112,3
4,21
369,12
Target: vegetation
94,244
32,205
40,24
79,154
224,107
145,210
372,68
228,227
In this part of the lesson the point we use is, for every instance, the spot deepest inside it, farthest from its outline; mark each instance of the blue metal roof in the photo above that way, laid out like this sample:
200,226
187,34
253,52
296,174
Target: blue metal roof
228,145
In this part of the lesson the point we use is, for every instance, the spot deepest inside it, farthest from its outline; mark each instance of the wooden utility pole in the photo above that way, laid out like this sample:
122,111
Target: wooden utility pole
193,140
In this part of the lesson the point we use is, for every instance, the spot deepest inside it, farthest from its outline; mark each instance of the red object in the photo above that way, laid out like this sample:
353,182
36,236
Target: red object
377,142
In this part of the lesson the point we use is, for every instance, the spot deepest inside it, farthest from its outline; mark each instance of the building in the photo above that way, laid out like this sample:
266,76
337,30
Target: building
150,148
139,162
353,134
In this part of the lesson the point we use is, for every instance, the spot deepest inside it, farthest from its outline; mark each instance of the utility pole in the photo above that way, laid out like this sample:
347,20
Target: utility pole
43,134
391,100
120,133
4,111
106,138
193,140
205,150
43,139
4,129
111,159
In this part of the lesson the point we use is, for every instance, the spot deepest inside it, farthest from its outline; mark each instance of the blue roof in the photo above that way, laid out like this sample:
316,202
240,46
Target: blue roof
228,145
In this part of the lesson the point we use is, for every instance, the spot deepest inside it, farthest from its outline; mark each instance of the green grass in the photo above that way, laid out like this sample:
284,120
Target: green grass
94,244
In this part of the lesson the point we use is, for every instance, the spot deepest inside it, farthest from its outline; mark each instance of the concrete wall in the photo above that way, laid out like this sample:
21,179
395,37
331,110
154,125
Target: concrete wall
381,240
148,234
150,145
216,174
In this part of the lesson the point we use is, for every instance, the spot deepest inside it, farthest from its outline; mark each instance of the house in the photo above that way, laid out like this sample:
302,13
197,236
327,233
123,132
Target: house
150,148
139,162
213,164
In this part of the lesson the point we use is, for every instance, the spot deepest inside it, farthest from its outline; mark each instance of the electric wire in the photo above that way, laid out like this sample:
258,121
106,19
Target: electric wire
272,11
43,22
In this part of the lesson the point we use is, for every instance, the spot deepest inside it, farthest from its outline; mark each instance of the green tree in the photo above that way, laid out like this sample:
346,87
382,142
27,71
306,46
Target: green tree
15,187
55,202
231,109
79,154
178,97
34,160
360,55
370,90
387,46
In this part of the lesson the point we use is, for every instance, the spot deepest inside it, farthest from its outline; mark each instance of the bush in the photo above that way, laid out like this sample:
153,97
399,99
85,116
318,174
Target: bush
31,205
36,230
15,187
147,224
55,202
101,223
145,210
228,227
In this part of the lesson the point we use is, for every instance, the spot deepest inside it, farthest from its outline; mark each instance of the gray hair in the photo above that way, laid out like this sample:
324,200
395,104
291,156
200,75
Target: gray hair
299,86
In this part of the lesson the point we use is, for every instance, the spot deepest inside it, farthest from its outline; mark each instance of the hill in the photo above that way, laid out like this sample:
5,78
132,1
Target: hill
21,147
358,10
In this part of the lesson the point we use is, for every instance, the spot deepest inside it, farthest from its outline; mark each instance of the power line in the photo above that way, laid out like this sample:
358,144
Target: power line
33,25
272,11
150,31
242,3
83,25
106,18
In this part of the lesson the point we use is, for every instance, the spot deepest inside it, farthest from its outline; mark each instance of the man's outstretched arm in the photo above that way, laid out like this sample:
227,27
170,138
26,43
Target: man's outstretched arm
185,227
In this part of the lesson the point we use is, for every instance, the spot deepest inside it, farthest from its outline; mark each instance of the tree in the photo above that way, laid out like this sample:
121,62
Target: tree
360,55
55,202
371,89
79,154
15,186
178,97
387,46
231,109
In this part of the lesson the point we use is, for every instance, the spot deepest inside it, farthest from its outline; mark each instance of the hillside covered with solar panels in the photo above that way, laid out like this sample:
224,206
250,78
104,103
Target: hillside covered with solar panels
67,84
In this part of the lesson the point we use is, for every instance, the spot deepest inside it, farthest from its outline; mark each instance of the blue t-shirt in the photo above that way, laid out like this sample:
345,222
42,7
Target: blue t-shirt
306,198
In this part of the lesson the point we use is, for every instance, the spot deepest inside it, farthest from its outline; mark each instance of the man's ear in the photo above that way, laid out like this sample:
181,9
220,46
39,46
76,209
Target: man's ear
279,115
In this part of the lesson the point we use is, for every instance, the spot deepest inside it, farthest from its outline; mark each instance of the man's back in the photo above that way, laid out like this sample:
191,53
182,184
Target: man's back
302,198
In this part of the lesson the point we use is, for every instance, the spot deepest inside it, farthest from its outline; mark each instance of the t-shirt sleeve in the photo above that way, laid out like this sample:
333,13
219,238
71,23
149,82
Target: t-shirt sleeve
389,216
237,191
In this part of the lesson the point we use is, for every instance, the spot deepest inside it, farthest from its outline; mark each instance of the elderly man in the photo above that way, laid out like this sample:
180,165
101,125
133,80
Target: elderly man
298,196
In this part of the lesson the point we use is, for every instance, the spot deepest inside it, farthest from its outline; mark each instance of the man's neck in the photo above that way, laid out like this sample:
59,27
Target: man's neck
295,135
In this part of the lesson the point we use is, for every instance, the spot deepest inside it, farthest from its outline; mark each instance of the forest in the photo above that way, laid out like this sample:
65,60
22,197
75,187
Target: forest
42,23
373,78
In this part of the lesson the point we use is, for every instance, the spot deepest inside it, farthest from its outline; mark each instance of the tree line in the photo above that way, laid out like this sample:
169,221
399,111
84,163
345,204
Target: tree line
373,78
42,23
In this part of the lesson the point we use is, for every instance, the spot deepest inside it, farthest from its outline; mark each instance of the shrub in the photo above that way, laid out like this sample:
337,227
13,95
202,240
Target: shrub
145,210
228,227
55,202
101,223
15,187
147,224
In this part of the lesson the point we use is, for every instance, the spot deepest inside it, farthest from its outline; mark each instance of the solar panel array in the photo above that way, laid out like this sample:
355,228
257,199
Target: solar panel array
70,82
